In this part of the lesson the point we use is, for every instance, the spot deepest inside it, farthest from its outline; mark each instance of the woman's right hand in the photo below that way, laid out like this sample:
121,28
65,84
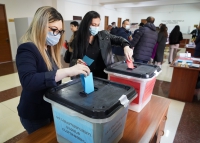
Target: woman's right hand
79,61
79,69
72,71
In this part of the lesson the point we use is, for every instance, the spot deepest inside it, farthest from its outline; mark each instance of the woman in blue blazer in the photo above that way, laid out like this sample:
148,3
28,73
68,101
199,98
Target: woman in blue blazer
39,67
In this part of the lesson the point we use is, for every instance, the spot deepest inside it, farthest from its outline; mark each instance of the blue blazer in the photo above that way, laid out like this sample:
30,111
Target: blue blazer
35,80
122,32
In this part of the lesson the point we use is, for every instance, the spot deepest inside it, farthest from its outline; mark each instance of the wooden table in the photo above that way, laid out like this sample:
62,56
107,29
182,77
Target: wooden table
183,83
190,50
183,43
140,127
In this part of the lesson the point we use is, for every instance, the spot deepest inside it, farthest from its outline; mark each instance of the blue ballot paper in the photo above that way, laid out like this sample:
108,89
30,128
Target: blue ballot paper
88,60
88,83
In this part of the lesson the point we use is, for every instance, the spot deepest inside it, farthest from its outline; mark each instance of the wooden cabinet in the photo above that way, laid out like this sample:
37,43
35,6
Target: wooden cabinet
141,127
190,50
183,43
161,128
183,83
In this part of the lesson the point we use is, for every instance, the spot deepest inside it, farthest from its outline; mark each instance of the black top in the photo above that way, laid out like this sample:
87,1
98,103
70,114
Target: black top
195,33
94,52
175,40
105,40
197,42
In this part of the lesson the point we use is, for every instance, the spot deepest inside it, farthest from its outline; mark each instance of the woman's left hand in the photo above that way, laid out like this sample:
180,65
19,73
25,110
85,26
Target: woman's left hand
128,53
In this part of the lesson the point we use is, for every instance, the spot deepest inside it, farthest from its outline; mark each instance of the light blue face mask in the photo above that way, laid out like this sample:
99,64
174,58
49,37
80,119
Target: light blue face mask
94,30
52,40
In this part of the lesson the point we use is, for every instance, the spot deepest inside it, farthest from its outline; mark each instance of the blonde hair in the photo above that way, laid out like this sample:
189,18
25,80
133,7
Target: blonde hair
37,33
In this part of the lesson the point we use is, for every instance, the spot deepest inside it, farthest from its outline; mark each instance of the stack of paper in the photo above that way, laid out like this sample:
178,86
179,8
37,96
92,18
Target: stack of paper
195,65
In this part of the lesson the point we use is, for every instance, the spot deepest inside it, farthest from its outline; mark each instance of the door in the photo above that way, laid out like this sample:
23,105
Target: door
5,51
143,21
106,22
77,17
119,22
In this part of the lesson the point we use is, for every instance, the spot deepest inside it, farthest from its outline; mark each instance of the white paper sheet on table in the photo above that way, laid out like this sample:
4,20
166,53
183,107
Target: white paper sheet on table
195,59
182,55
190,45
195,65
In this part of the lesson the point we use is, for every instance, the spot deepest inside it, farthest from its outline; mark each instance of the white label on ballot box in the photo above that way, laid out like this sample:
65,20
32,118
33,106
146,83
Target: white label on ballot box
74,129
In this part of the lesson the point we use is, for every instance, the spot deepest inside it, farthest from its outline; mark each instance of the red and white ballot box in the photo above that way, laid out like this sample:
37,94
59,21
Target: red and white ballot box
142,78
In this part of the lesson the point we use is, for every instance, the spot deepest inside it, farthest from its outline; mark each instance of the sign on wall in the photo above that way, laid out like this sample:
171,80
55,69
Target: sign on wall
172,21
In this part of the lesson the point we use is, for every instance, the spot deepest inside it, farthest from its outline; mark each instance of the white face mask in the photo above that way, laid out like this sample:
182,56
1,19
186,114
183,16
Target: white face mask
52,40
93,30
127,27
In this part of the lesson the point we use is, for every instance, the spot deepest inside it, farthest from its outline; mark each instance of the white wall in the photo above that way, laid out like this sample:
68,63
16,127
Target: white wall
18,9
189,14
70,8
113,14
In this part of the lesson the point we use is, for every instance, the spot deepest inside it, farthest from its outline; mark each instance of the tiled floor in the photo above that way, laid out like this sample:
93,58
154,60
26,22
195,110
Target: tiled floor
10,89
189,127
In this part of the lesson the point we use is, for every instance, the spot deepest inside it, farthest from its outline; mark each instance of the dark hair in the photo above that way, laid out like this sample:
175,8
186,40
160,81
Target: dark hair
113,23
109,27
83,34
75,23
124,21
174,35
163,29
150,19
141,24
157,29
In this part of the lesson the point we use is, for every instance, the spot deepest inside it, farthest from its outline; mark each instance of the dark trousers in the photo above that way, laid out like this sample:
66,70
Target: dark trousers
33,125
140,61
197,53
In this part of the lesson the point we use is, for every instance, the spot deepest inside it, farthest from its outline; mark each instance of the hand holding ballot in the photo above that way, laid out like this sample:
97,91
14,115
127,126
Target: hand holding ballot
128,52
87,82
79,61
79,69
86,61
130,64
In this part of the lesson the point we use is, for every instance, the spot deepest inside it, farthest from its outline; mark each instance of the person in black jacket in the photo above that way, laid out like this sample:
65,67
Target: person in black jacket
126,34
39,67
97,45
68,54
114,29
162,39
140,25
197,48
144,41
195,33
174,40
